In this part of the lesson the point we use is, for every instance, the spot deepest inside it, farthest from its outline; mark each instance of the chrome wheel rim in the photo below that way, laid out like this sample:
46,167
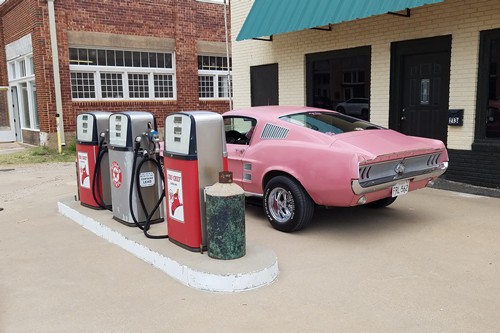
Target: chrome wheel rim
280,204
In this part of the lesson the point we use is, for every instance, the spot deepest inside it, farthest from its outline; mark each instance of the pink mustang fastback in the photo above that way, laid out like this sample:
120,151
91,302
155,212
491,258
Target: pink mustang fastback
300,157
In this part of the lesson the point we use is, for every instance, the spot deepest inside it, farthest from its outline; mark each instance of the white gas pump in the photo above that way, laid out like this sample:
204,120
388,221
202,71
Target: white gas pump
136,173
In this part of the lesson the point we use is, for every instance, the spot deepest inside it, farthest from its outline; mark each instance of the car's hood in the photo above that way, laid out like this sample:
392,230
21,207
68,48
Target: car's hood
383,144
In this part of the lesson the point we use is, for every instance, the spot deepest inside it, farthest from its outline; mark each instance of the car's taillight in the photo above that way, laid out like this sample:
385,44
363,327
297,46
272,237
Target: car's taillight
364,172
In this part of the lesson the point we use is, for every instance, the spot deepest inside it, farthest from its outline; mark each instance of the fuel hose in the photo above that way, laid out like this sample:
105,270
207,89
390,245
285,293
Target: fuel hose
136,169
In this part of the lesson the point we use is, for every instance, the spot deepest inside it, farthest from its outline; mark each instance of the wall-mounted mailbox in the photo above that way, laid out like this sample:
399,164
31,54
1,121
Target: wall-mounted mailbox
456,117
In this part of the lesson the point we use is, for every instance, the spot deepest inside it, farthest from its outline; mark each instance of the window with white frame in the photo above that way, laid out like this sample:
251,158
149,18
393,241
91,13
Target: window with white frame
98,74
214,77
21,75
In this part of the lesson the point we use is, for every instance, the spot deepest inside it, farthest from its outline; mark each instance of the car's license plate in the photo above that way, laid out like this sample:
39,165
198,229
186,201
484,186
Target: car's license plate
400,188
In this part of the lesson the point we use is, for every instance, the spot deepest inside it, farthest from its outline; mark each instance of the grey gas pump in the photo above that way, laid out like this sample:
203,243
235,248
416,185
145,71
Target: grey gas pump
136,173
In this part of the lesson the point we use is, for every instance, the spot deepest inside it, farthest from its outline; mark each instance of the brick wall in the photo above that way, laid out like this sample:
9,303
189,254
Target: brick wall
186,21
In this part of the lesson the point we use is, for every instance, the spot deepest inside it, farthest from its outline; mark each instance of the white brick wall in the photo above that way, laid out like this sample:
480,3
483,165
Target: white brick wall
463,19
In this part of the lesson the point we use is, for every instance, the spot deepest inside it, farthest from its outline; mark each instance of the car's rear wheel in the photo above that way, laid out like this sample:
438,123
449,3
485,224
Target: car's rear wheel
381,203
287,205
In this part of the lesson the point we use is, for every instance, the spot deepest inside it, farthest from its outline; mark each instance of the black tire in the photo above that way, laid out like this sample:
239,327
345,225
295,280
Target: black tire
381,203
340,109
296,211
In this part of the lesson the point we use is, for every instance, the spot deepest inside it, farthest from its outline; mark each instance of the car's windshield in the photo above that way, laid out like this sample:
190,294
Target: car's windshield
329,123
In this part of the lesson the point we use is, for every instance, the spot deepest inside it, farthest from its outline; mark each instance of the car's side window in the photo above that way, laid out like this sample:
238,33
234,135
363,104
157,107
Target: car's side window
239,130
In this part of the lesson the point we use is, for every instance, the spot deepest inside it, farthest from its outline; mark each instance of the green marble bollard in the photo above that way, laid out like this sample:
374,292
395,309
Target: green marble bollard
225,209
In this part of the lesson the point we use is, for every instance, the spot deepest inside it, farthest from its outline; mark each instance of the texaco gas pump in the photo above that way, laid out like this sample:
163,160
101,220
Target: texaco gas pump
92,159
193,156
136,175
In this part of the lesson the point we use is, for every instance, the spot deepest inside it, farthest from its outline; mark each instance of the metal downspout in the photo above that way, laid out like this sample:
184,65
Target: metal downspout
61,141
229,83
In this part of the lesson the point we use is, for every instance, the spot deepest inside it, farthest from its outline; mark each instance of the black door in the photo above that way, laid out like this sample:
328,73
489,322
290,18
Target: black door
425,110
264,85
420,90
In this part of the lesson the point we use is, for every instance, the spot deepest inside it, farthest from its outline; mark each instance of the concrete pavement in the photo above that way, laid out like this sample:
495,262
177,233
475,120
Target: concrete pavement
429,262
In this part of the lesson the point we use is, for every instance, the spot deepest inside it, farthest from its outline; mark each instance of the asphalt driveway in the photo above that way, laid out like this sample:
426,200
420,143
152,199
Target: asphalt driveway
428,263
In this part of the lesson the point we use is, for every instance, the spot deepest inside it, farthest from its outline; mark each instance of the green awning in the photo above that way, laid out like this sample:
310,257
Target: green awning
271,17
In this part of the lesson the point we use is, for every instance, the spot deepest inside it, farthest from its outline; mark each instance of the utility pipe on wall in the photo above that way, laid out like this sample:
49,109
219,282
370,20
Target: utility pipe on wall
229,83
61,141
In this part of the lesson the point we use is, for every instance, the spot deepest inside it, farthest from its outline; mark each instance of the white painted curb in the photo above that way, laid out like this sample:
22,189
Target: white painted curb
207,281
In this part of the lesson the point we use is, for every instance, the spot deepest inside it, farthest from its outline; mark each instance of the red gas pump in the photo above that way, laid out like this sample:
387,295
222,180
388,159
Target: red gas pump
92,160
193,156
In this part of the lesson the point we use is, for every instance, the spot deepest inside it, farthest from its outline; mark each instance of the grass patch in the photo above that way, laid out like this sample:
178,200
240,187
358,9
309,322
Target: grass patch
37,155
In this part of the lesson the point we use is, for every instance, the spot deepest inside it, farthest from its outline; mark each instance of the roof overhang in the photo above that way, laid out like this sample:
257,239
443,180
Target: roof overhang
272,17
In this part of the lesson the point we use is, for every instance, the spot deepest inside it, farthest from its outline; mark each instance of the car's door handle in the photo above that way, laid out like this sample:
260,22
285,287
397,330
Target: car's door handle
241,151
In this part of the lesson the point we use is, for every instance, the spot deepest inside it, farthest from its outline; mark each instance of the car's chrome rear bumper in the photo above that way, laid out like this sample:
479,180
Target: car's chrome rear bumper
359,190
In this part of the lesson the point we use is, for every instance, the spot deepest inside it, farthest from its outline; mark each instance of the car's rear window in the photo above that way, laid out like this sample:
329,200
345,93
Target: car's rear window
328,122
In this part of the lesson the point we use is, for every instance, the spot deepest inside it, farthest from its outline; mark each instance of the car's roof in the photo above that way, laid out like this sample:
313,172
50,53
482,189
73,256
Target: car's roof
272,111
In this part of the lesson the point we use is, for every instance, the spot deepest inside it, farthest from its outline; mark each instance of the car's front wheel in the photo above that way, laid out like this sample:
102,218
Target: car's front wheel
287,205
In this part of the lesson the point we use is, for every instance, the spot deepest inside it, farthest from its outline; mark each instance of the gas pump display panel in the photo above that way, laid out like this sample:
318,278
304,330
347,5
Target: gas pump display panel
85,128
178,137
118,128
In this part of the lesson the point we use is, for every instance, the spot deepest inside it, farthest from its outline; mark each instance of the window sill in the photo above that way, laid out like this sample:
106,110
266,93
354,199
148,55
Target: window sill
218,2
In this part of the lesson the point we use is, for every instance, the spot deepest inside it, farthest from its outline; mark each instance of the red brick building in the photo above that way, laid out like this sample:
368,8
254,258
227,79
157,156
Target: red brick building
151,55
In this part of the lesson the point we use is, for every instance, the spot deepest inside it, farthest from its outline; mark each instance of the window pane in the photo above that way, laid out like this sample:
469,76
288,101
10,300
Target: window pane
164,86
13,73
168,60
213,63
25,105
110,57
34,105
493,111
73,56
152,60
128,58
31,66
101,57
161,60
111,85
206,86
83,57
119,58
224,86
82,85
22,68
144,59
92,57
138,85
136,59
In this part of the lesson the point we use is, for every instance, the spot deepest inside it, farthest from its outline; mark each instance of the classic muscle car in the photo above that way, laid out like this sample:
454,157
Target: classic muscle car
297,158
